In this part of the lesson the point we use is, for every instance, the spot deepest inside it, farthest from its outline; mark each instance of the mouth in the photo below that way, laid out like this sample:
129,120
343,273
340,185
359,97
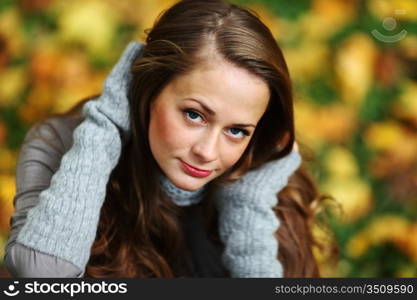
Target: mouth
194,171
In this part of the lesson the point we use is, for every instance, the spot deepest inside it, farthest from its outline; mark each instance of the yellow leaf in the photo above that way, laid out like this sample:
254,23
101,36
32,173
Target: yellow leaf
341,163
327,17
386,228
354,67
91,23
7,192
12,82
7,161
353,194
399,9
11,28
406,107
357,246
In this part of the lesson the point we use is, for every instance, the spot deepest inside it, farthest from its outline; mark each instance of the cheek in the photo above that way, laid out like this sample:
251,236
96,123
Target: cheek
231,156
164,130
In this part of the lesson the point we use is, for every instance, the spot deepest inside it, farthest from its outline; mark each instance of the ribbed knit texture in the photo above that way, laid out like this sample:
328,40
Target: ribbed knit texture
64,223
247,223
179,196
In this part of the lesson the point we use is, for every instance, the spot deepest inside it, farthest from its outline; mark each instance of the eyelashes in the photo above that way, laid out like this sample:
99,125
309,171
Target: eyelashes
190,112
191,116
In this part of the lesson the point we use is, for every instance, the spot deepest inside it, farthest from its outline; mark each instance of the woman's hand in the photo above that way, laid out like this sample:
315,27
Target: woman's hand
113,102
247,223
270,177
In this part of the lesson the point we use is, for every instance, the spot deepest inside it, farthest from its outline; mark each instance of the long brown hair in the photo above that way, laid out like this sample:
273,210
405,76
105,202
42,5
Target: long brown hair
139,232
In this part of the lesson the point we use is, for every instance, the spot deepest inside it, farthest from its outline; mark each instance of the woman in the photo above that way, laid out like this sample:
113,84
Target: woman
174,169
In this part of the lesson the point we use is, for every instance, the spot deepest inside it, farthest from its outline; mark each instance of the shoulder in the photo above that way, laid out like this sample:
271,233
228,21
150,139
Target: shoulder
43,147
55,132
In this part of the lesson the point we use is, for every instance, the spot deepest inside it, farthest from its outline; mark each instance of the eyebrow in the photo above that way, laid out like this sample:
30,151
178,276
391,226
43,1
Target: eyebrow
211,112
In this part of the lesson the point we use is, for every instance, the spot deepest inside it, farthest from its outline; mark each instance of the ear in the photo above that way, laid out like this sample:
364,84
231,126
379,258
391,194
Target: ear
284,141
294,148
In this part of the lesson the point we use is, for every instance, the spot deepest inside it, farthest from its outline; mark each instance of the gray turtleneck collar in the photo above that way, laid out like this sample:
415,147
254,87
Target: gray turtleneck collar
179,196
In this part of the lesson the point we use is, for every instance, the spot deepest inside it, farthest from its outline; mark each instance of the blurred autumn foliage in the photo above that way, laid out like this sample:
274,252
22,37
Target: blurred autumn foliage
354,69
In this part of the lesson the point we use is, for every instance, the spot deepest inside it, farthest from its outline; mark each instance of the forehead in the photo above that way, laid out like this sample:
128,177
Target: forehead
230,91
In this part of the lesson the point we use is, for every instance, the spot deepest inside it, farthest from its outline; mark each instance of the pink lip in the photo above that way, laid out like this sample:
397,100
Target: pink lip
195,171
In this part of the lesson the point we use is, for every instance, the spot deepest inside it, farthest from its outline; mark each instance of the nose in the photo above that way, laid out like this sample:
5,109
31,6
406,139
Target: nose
206,148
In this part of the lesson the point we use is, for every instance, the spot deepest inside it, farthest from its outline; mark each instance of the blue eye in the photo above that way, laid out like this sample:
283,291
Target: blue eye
192,115
241,131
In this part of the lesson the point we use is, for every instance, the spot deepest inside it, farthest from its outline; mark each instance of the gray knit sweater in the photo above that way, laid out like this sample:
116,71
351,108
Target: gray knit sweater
64,223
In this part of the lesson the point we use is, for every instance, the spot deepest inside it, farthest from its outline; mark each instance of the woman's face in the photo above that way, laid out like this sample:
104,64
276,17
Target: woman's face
201,122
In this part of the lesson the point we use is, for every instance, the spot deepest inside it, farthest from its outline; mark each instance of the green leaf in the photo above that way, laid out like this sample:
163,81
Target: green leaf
5,4
376,104
14,125
321,91
287,9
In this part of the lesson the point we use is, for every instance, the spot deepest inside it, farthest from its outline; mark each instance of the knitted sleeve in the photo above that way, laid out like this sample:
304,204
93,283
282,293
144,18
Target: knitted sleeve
64,223
39,158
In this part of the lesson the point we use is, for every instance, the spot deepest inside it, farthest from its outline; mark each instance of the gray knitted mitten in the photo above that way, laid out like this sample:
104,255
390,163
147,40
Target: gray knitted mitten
114,103
247,222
